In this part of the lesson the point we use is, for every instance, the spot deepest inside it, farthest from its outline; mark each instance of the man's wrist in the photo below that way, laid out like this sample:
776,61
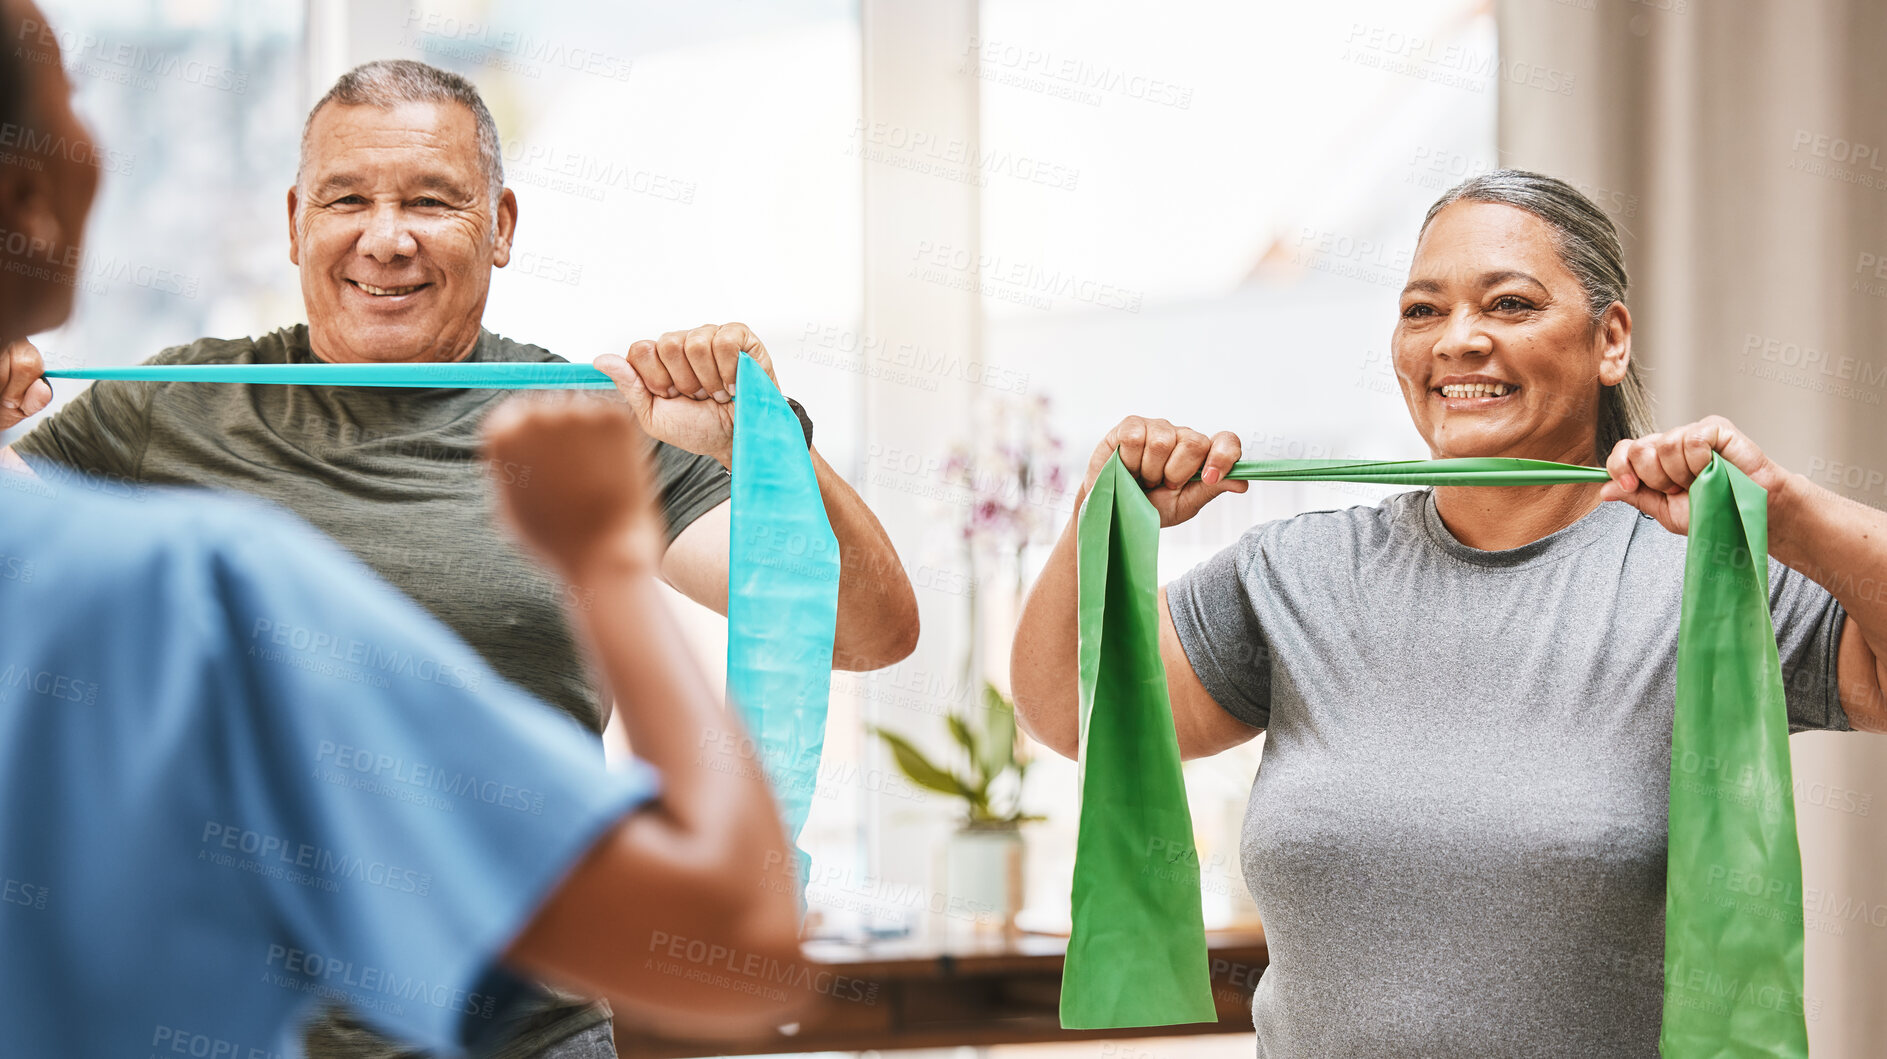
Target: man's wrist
725,455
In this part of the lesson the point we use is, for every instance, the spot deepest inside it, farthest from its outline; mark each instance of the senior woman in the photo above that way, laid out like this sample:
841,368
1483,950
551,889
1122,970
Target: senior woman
1457,833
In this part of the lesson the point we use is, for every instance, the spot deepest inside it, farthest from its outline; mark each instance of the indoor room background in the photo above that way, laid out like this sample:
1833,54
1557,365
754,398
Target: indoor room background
975,235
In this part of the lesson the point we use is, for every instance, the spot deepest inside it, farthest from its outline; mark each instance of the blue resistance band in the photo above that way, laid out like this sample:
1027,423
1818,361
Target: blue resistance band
782,595
506,376
782,558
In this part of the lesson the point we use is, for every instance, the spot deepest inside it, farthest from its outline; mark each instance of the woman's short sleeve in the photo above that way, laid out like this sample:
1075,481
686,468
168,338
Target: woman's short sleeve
1808,624
1219,631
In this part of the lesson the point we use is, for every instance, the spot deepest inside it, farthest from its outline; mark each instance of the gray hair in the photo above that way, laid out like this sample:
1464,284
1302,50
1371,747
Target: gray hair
1588,246
389,82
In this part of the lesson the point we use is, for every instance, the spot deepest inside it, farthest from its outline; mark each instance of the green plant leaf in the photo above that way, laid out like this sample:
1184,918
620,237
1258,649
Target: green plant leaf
999,732
918,769
960,731
980,814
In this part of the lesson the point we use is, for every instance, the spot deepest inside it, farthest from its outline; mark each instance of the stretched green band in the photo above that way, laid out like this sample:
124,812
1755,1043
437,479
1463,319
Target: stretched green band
1733,949
530,375
1486,470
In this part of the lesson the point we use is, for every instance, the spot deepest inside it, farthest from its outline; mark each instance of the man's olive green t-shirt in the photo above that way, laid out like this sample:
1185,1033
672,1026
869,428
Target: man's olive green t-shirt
393,474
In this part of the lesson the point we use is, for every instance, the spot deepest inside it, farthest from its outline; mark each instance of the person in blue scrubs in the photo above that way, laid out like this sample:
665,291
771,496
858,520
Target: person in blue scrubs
240,775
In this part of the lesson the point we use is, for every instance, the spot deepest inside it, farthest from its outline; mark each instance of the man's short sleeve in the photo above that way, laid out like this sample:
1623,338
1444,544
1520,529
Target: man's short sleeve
690,485
102,431
1808,624
430,806
1219,630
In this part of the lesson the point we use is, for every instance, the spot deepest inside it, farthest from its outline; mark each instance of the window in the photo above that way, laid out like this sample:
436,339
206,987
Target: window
196,109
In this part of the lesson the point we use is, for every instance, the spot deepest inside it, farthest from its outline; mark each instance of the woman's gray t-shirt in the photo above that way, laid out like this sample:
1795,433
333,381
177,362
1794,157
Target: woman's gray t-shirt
1456,838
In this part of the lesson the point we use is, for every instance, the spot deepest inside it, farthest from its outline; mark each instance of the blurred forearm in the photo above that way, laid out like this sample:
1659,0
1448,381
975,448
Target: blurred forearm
707,862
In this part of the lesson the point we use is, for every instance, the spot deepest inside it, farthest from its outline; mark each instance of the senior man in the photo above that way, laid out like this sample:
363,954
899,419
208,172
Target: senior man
397,218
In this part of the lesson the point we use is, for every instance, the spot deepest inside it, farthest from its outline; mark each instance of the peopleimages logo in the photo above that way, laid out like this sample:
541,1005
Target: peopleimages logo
953,157
1023,282
1072,77
14,137
174,1040
517,45
23,894
1445,62
315,644
47,684
85,51
272,854
589,175
428,777
366,981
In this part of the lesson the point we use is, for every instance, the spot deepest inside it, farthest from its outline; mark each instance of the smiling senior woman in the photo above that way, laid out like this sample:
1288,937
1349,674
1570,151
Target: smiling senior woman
1457,833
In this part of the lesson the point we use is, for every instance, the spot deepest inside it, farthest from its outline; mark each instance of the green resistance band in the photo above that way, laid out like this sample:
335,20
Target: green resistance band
783,559
1733,948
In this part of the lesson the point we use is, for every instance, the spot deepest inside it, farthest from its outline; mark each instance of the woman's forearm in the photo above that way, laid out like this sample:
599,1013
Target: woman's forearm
703,867
1044,660
1840,544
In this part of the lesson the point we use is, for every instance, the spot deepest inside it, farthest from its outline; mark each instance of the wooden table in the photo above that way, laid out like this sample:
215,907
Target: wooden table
907,994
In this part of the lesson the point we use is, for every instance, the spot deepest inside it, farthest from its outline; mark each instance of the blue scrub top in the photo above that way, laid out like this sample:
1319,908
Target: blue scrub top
239,774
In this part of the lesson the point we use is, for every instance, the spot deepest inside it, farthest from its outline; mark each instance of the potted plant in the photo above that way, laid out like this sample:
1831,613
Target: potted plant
1010,488
983,864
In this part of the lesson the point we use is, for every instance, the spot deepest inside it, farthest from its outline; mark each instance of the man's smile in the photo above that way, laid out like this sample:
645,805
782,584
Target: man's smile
387,292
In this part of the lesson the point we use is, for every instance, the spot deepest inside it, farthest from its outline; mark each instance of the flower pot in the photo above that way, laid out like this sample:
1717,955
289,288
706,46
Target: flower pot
983,872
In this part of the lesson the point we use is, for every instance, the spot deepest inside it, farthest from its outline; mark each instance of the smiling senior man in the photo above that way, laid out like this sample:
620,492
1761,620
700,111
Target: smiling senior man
397,218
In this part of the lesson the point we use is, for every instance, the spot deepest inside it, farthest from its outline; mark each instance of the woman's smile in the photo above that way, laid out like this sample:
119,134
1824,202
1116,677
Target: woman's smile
1473,393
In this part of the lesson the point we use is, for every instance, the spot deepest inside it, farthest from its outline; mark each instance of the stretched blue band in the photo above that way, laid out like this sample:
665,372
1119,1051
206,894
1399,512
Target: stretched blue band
531,375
